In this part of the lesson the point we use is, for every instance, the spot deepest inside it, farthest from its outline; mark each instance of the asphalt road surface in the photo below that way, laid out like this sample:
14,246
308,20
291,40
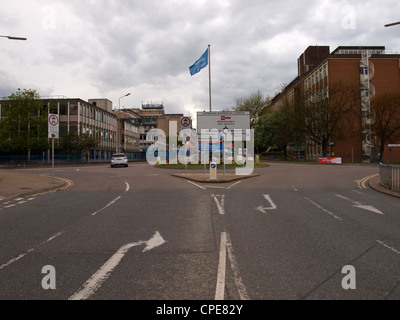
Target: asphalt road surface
296,231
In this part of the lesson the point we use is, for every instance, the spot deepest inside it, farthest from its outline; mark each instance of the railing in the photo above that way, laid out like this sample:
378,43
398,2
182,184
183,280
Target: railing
45,160
390,176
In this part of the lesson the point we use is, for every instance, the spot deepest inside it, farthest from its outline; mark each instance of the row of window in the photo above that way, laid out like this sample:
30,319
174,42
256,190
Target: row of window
90,112
316,76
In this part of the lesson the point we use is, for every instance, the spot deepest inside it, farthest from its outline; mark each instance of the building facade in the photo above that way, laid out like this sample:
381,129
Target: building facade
370,70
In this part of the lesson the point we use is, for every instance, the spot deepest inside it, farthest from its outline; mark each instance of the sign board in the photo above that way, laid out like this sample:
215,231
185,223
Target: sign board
53,126
332,160
393,145
186,122
213,171
223,119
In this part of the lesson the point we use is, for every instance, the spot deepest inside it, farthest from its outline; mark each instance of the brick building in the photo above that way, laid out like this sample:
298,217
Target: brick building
370,70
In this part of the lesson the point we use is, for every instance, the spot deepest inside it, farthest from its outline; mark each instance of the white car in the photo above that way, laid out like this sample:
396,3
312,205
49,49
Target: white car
119,159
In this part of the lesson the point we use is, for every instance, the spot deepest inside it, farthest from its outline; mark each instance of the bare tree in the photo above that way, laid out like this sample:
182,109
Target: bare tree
321,112
385,119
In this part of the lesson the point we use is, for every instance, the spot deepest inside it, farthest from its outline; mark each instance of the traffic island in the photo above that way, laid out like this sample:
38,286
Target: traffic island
220,178
14,184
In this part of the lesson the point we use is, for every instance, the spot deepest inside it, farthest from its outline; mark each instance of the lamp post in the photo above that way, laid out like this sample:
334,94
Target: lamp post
13,38
392,24
119,120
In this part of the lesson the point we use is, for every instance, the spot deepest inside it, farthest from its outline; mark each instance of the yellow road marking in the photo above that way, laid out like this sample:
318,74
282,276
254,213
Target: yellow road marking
361,183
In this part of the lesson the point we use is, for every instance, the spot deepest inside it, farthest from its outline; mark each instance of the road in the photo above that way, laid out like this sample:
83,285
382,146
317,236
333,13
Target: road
139,233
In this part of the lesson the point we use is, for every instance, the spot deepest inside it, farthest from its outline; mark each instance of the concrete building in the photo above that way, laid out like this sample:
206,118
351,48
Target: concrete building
371,69
93,118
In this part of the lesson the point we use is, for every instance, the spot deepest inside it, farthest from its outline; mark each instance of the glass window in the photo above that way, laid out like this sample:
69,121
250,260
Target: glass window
63,108
73,108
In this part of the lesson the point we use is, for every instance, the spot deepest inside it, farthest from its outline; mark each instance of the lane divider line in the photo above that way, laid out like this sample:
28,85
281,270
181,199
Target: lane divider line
109,204
220,289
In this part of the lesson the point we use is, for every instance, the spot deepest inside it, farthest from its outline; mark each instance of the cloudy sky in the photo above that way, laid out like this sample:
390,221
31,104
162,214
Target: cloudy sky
107,48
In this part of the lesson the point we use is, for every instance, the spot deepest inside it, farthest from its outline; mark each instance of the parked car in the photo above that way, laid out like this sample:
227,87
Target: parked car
119,159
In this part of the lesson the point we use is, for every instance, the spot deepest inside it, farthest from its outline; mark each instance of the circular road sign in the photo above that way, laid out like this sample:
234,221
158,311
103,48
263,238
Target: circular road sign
53,120
185,122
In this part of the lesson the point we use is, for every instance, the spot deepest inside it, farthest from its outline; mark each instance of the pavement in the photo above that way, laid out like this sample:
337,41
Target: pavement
14,184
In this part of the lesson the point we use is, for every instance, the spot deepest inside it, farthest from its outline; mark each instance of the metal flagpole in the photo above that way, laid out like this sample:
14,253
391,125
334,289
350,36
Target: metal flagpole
209,75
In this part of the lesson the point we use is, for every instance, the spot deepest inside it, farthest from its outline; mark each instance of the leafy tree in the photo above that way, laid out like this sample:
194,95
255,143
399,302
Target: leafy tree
278,128
385,119
254,103
23,123
72,143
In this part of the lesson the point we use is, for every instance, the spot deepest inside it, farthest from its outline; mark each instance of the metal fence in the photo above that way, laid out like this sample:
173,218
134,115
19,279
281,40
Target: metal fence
390,176
45,160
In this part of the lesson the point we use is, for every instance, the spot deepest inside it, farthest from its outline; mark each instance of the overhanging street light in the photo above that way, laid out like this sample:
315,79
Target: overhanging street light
392,24
14,38
119,120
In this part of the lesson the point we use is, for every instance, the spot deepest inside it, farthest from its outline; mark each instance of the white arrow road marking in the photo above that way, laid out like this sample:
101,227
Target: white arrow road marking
97,279
220,206
127,187
272,205
360,205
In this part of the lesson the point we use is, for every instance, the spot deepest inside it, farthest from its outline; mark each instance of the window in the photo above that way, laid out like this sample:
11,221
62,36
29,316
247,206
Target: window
63,108
73,108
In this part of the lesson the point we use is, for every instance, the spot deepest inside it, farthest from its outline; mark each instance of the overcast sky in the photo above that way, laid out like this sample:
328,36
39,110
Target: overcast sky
107,48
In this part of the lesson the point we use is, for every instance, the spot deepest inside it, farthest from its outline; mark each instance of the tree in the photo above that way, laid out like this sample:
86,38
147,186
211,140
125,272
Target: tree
278,128
385,119
321,112
23,126
254,103
72,143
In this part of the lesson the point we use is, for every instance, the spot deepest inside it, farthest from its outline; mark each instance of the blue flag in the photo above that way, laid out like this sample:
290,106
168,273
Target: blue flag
199,64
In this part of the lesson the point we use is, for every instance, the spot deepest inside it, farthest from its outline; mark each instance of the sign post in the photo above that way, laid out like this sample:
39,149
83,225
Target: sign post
53,132
213,171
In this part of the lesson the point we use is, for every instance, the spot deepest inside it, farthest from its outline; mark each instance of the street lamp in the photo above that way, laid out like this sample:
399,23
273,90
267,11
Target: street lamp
119,119
14,38
392,24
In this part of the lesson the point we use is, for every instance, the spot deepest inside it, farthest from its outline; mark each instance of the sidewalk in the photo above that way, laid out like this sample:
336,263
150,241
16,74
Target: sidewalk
374,184
23,184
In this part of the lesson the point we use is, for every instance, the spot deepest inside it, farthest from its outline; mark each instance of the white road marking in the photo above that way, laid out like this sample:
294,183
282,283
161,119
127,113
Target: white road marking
220,206
360,205
127,187
232,185
220,289
30,250
235,268
97,279
201,187
272,205
323,209
389,247
112,202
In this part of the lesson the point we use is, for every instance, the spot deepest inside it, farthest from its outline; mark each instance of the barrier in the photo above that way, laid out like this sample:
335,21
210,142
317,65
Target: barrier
390,176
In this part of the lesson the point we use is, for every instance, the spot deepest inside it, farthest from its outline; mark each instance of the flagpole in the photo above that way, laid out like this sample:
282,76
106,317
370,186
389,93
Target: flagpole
209,75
